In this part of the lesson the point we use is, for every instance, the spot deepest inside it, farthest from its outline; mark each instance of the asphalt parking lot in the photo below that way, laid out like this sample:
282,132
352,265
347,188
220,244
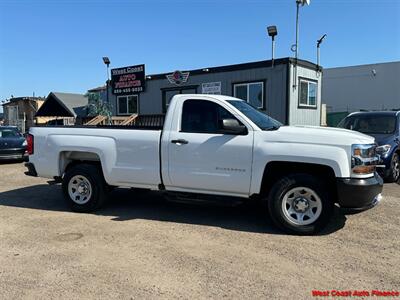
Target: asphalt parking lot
142,246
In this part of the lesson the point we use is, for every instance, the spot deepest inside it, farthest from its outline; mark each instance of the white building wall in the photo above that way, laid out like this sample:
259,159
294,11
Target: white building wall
299,115
365,87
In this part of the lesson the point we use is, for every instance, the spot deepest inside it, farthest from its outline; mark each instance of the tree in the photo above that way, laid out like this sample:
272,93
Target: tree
97,107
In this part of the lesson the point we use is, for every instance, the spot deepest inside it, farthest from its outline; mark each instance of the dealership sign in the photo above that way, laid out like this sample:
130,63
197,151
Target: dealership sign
213,88
128,80
178,77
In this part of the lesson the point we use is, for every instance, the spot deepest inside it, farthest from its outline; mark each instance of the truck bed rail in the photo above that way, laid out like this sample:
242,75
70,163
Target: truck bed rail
140,122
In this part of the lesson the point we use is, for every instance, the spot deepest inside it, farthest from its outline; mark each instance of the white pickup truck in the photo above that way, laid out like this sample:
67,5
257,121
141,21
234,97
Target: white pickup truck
215,145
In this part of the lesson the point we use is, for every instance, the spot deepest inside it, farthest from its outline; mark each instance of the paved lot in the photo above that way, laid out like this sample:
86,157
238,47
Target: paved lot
141,246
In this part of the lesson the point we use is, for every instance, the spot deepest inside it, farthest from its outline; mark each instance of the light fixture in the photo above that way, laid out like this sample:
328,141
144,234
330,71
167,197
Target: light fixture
272,31
321,40
106,60
303,2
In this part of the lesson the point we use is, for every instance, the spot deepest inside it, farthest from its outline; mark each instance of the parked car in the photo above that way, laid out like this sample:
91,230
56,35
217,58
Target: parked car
215,146
385,128
12,143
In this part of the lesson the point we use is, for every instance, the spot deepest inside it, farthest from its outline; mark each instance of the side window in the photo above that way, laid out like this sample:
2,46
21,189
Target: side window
252,92
308,93
398,123
203,116
127,105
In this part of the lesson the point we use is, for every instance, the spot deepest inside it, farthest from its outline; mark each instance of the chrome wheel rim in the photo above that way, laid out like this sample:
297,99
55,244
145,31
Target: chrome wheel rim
301,206
79,189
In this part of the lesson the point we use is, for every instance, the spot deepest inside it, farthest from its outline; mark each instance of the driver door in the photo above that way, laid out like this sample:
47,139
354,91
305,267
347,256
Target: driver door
207,159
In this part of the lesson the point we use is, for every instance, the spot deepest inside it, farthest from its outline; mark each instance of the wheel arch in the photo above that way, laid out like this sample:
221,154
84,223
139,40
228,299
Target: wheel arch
275,170
68,159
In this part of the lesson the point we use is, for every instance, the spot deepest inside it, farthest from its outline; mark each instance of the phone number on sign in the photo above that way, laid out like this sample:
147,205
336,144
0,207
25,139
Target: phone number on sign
355,293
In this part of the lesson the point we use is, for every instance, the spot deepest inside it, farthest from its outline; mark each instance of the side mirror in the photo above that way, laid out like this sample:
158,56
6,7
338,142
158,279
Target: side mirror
232,126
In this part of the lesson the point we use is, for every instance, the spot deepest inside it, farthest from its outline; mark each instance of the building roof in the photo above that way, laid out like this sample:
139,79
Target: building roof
63,105
365,65
97,89
17,99
244,66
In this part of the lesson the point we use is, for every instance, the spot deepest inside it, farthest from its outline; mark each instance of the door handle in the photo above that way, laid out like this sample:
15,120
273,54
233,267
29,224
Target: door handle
180,141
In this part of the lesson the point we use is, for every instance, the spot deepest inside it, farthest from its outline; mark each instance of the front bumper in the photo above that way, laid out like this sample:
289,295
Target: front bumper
359,194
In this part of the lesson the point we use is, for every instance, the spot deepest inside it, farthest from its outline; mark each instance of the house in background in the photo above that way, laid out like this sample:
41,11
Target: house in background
21,111
1,119
64,109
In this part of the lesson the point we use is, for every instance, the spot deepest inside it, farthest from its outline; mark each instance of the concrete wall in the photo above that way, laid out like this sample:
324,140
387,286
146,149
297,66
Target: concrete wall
369,87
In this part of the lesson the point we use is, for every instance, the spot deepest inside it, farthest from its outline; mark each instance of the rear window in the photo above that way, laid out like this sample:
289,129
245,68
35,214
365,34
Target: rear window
9,132
370,124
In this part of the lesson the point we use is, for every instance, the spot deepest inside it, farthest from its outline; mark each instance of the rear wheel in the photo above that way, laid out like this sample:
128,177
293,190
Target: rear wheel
84,188
300,204
394,171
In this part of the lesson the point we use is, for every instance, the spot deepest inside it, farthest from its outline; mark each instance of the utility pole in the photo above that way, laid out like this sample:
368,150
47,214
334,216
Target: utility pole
295,47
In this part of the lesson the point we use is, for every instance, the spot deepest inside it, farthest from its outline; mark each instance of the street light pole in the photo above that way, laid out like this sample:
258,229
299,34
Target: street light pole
272,32
296,45
106,60
318,46
273,50
297,29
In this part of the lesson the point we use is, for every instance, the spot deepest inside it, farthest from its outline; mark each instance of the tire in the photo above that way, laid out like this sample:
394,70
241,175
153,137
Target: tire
300,204
394,171
84,188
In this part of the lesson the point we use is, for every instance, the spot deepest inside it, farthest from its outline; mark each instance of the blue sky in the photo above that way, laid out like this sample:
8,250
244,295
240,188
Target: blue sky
58,45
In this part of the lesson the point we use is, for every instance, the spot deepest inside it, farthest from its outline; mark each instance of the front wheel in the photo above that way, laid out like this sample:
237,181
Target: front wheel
84,188
300,204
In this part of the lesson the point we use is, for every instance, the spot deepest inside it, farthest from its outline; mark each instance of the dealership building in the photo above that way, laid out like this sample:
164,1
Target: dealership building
289,90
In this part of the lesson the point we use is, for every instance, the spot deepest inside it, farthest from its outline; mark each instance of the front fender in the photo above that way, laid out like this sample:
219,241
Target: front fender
334,157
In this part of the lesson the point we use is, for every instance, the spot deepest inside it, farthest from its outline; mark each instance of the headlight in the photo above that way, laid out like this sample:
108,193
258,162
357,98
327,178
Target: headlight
383,150
24,144
363,159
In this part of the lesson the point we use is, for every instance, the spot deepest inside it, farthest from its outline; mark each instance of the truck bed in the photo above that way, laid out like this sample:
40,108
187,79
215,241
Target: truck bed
129,155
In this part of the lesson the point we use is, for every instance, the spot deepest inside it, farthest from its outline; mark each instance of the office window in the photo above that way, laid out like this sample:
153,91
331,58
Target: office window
252,92
307,93
127,105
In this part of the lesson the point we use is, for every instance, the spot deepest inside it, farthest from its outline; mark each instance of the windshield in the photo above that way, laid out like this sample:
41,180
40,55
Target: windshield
370,124
9,132
257,117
